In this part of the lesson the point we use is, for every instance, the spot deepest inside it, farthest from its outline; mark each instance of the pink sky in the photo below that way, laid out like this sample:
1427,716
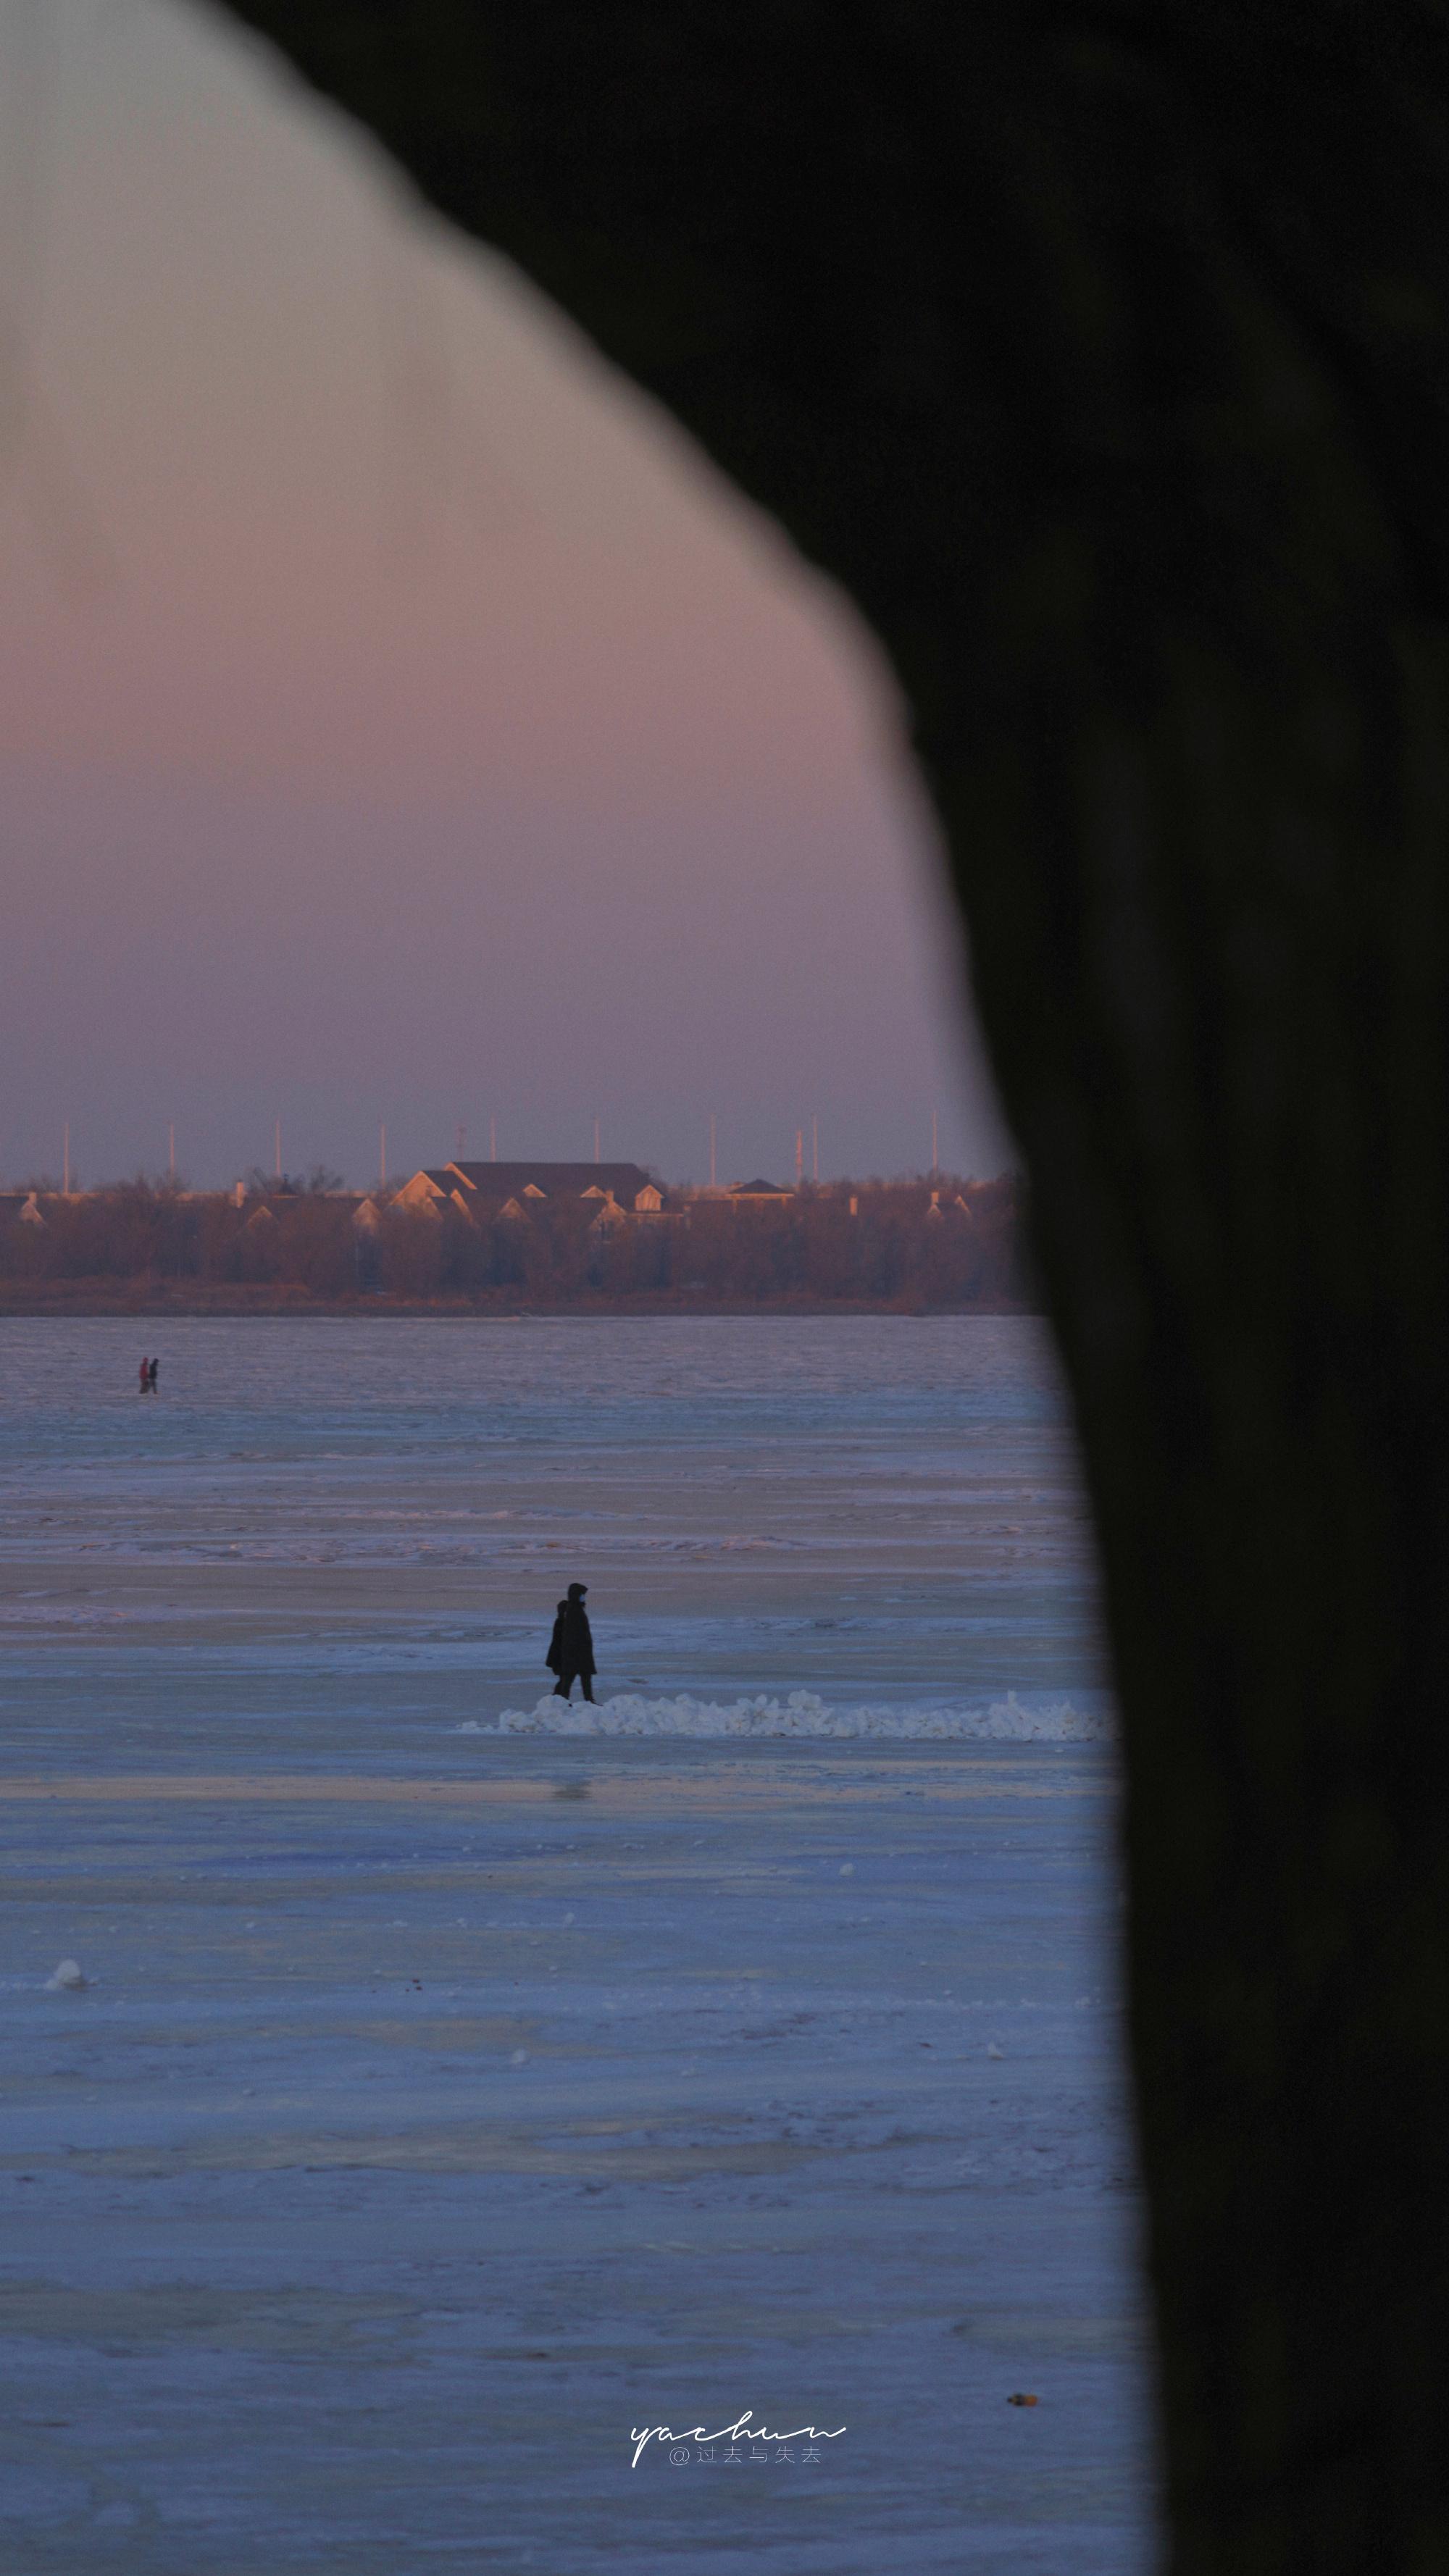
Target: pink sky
397,719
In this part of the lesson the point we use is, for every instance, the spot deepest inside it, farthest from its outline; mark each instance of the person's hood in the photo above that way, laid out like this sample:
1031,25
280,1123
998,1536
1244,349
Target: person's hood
577,1591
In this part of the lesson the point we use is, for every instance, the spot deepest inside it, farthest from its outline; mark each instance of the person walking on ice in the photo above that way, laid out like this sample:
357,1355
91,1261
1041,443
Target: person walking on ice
571,1647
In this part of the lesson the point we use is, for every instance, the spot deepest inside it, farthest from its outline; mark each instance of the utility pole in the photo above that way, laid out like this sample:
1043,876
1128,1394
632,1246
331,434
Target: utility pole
799,1158
711,1154
171,1149
65,1158
278,1142
935,1158
382,1156
815,1149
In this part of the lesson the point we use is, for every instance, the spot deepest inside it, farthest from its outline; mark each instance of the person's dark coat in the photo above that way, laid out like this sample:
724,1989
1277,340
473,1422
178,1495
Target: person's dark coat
571,1647
554,1657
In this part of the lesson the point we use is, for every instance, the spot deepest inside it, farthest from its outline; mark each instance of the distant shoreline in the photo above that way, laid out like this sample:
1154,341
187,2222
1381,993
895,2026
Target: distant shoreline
80,1299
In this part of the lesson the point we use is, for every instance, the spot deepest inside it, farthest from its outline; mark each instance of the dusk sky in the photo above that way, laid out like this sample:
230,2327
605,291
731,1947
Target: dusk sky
398,721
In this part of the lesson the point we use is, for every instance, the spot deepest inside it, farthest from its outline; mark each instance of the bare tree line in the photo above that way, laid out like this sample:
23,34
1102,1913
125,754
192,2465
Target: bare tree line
950,1244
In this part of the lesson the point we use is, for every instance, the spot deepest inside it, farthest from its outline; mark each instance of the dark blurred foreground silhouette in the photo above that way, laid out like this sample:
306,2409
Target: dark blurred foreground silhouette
1100,355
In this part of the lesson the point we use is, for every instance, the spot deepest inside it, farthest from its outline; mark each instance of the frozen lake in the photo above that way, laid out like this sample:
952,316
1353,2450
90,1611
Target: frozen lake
444,2103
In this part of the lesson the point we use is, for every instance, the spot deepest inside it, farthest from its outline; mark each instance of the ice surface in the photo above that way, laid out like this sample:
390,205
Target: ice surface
758,2047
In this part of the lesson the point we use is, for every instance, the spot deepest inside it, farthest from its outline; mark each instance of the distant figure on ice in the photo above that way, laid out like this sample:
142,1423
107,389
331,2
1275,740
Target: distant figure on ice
571,1648
152,1374
145,1377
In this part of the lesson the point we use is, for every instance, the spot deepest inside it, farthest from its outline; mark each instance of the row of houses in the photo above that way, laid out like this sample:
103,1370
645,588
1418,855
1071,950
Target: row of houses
617,1192
614,1190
